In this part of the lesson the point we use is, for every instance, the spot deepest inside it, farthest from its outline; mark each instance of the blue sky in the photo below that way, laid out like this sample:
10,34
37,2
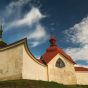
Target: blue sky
67,20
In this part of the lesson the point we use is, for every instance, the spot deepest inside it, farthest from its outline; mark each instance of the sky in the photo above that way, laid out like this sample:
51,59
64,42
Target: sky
36,20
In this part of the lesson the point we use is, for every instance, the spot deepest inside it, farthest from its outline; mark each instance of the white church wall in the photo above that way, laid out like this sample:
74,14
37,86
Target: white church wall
16,62
11,63
63,75
32,69
82,77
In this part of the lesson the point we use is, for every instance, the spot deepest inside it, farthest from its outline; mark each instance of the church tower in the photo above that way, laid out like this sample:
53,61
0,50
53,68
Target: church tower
2,43
1,31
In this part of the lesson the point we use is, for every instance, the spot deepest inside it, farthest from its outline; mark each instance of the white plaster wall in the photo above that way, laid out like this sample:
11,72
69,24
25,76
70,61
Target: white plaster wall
32,69
65,75
82,77
11,63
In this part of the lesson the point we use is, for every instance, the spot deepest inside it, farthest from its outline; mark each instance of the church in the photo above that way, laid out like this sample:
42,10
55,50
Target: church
17,62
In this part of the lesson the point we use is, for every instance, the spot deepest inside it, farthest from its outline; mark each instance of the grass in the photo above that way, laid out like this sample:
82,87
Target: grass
35,84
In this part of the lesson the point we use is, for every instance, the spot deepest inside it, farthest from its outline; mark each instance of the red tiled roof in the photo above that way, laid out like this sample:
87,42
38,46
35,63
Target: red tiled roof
51,52
81,69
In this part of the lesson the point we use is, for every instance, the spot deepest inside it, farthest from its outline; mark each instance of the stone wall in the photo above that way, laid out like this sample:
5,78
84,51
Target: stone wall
32,69
17,62
11,63
65,75
82,77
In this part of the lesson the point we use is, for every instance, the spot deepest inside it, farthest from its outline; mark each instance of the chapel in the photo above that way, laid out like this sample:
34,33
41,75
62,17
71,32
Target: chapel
17,62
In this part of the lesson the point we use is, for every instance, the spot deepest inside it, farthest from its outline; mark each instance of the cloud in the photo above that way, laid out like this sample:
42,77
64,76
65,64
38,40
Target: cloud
16,19
14,7
78,34
78,53
34,44
30,18
39,36
13,11
38,33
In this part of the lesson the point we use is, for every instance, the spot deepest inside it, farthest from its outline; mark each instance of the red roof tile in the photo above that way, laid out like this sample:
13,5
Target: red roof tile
81,69
53,50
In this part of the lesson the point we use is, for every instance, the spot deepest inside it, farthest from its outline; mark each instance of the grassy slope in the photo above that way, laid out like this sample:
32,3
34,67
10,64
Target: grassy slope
35,84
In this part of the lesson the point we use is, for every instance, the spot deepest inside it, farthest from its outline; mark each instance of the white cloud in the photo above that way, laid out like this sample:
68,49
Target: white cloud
79,53
14,7
34,43
37,57
37,33
78,34
39,36
31,17
13,11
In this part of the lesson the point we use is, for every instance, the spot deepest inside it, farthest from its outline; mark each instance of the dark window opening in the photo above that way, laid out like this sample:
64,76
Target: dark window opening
60,63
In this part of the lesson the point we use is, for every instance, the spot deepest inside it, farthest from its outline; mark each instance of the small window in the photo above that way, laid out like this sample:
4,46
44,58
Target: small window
60,63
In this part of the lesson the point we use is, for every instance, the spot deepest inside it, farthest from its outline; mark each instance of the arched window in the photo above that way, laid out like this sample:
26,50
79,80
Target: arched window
60,63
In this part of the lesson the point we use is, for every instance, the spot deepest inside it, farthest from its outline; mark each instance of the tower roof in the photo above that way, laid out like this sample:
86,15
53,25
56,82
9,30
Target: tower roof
2,43
1,31
53,50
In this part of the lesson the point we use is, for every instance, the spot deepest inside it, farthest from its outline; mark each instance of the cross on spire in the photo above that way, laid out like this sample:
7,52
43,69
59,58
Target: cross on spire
1,31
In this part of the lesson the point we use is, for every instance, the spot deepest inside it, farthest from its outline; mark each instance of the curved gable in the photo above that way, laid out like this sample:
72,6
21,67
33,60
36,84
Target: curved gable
20,42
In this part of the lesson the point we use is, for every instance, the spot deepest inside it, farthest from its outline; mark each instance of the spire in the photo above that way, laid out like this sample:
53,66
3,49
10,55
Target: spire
1,31
52,41
2,43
